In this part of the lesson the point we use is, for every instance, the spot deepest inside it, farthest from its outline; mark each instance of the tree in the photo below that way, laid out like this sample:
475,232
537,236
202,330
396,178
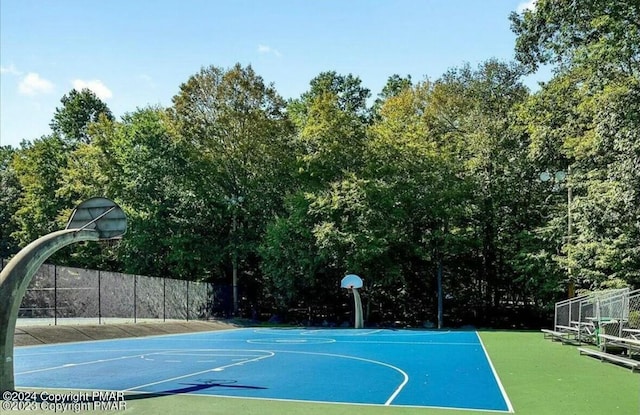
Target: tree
472,118
9,194
140,164
294,269
605,34
585,119
238,127
331,119
394,86
79,109
350,96
38,166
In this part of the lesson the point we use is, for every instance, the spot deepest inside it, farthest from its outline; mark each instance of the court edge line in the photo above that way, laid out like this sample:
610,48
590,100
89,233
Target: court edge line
451,408
415,343
205,396
347,332
495,374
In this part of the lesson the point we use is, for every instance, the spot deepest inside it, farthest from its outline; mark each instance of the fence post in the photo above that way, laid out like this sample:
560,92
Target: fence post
555,318
99,299
164,299
55,295
135,298
187,300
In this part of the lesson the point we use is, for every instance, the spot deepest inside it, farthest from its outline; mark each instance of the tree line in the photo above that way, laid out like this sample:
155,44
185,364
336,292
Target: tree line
278,199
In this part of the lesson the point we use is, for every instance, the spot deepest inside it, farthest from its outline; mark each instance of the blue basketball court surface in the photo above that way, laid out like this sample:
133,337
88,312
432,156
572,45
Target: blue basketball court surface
366,367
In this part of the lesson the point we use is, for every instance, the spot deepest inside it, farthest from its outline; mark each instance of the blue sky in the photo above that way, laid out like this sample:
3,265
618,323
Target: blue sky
134,53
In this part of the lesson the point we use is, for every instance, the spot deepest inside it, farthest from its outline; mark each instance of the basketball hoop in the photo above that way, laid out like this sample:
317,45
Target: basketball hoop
352,283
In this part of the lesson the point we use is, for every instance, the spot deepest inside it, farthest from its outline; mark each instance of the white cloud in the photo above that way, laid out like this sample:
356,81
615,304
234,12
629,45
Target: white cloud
95,85
33,84
10,70
148,80
264,49
527,5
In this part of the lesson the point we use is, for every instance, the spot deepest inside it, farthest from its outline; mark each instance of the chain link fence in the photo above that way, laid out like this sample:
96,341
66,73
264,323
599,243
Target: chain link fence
613,312
58,292
567,311
618,315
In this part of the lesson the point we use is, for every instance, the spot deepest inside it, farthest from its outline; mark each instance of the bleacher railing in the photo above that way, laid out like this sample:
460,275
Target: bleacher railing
614,312
619,313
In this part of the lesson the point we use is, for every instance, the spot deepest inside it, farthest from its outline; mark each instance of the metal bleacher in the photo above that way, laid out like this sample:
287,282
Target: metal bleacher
607,321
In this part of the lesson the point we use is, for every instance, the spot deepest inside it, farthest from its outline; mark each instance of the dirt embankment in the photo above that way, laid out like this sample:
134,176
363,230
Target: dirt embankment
34,335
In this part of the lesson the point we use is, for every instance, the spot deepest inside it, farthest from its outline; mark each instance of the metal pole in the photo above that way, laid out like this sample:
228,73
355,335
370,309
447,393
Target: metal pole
555,318
235,265
164,299
358,322
55,295
440,294
572,289
99,299
135,300
187,300
14,281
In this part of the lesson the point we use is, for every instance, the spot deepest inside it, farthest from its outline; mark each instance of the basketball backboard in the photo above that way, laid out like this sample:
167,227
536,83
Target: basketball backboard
99,214
351,281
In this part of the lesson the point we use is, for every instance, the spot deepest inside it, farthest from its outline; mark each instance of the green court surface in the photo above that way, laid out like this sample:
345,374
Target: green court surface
541,377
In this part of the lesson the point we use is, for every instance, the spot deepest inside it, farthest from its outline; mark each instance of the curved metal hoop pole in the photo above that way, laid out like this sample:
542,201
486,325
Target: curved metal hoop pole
14,281
358,323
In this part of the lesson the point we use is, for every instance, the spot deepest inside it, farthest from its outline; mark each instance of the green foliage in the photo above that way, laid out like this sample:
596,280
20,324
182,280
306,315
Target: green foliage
292,196
586,119
38,167
9,195
602,34
350,96
394,86
78,111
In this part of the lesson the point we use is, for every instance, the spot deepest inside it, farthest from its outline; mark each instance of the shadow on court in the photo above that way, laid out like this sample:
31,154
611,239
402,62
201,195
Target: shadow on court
192,388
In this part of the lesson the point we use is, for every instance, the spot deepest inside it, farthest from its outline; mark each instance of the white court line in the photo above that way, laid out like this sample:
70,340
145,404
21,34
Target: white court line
415,343
449,408
146,352
336,332
389,401
207,395
239,353
66,365
402,372
495,374
171,353
298,341
366,333
215,369
86,351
